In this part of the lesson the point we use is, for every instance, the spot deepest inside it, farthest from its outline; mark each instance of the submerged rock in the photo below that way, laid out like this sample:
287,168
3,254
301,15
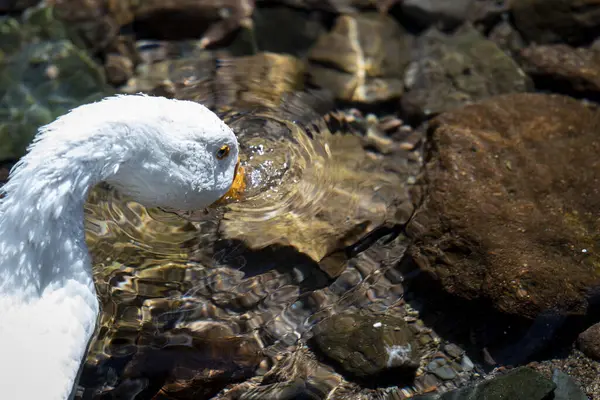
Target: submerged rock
510,213
552,21
565,69
440,12
365,345
362,59
337,6
16,5
449,71
99,21
589,342
566,387
518,384
42,76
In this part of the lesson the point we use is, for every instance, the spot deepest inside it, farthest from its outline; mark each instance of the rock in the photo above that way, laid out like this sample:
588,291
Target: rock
566,387
589,342
302,28
194,364
262,79
576,365
99,21
42,76
441,13
450,71
511,211
518,384
362,59
119,69
365,345
10,6
337,6
551,21
441,369
488,13
562,68
507,38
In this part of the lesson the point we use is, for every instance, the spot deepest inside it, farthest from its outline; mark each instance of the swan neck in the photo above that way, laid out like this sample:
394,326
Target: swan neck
42,236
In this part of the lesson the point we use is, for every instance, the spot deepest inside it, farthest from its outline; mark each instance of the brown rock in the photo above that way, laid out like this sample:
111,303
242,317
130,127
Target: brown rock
365,345
118,69
563,68
512,208
551,21
589,342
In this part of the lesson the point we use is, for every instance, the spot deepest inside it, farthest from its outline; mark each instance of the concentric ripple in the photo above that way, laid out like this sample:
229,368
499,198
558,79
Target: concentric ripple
177,291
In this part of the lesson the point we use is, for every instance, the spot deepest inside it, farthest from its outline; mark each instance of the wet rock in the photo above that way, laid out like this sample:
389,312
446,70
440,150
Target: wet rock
302,28
575,365
450,71
553,21
589,342
42,76
119,69
296,375
437,12
507,38
337,6
519,384
488,13
16,5
511,210
440,368
194,364
364,345
562,68
216,79
447,15
566,387
362,59
99,21
262,79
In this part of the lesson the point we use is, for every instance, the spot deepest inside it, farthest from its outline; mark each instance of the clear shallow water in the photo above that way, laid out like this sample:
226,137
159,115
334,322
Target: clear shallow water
193,303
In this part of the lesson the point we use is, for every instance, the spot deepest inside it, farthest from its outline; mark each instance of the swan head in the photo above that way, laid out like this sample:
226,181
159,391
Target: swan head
180,154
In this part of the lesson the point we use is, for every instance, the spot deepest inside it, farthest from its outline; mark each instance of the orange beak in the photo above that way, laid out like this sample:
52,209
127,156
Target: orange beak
238,186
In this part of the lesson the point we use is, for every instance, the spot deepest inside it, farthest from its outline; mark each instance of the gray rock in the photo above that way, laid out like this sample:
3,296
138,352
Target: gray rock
440,368
519,384
566,387
449,71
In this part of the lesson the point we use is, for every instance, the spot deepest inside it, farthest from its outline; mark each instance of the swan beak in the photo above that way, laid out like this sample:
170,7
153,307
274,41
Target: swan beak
238,186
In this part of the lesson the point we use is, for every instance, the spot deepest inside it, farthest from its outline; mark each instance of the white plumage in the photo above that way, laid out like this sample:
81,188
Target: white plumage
160,152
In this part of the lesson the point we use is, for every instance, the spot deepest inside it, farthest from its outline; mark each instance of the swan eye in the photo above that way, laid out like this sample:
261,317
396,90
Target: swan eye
223,152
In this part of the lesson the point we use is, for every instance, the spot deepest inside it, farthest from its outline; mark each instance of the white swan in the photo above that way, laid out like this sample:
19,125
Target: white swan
160,152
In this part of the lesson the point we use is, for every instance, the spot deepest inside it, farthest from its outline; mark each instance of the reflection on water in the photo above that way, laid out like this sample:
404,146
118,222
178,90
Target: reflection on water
193,305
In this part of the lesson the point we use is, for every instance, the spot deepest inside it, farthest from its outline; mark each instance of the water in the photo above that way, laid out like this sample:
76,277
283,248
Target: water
193,303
